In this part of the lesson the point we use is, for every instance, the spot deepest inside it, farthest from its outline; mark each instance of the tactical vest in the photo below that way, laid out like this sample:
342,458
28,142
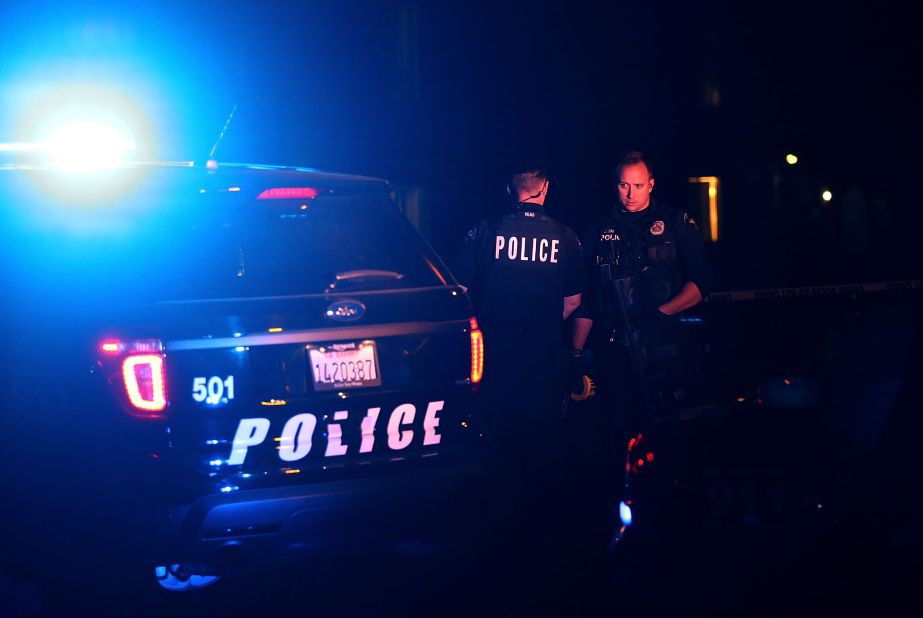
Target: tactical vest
522,267
637,254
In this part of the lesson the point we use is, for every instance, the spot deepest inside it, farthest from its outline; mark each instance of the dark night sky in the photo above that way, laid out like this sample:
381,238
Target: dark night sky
441,95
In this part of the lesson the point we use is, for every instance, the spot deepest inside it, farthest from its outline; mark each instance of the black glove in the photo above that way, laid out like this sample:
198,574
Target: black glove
658,326
659,317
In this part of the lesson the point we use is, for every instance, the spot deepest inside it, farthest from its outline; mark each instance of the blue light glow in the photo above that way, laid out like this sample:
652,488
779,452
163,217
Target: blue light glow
84,145
229,488
79,122
79,146
625,513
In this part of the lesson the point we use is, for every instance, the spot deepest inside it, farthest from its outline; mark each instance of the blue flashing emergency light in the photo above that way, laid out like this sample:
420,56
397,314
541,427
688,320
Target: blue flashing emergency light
83,145
79,146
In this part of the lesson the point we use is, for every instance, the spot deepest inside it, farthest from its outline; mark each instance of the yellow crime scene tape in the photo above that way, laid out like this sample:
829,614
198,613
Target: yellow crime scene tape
589,388
814,290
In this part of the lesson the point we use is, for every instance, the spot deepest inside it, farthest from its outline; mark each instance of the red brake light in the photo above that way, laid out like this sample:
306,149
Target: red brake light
477,352
289,193
143,376
135,369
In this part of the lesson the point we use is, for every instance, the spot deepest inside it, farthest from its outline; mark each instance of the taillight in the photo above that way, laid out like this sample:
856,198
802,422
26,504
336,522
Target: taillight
136,371
477,352
144,381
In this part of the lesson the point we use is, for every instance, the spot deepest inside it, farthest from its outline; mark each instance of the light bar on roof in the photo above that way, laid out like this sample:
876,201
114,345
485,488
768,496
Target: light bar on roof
79,146
83,145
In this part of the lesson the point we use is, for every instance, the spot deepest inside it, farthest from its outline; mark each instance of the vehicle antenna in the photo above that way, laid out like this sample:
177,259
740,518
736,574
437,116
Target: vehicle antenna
211,155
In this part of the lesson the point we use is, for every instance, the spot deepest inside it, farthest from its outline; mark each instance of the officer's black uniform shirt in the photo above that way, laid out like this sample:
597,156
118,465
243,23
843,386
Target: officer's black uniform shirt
519,267
660,248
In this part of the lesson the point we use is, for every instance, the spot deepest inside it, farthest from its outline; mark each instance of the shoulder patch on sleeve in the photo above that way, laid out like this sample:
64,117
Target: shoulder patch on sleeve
688,219
471,234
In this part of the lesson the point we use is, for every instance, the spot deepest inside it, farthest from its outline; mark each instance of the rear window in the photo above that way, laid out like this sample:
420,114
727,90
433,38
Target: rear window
188,246
335,243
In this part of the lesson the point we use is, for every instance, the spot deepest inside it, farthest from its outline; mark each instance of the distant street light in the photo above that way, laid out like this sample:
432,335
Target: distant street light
826,195
791,159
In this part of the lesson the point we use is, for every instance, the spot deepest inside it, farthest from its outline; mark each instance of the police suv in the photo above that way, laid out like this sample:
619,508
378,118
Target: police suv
209,366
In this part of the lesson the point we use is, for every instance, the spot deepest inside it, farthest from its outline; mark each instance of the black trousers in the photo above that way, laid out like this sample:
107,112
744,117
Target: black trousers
523,387
521,400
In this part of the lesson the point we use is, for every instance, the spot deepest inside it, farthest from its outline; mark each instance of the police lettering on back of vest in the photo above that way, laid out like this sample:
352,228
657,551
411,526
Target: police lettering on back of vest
522,269
526,249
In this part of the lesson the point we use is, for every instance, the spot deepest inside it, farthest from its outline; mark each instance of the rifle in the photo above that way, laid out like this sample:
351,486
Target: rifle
631,338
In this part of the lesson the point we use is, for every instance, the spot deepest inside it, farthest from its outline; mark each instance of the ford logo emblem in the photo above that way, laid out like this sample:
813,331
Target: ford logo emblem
345,311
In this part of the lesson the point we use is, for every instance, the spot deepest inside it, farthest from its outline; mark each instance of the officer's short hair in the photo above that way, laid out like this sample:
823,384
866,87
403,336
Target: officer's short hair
530,181
632,158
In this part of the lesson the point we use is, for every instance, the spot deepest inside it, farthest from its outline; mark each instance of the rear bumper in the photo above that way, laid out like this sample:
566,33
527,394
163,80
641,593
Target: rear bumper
259,525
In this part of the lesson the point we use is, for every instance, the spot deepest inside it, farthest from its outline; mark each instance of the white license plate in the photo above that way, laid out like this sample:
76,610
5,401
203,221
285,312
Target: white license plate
344,365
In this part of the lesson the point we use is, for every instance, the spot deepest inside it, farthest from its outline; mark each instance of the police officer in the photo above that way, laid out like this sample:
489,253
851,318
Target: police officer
647,264
524,272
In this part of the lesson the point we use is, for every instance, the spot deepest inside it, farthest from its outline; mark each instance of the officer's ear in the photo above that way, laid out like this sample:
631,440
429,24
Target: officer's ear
650,187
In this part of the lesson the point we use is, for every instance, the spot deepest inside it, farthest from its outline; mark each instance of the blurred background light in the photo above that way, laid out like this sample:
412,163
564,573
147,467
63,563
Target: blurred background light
625,513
